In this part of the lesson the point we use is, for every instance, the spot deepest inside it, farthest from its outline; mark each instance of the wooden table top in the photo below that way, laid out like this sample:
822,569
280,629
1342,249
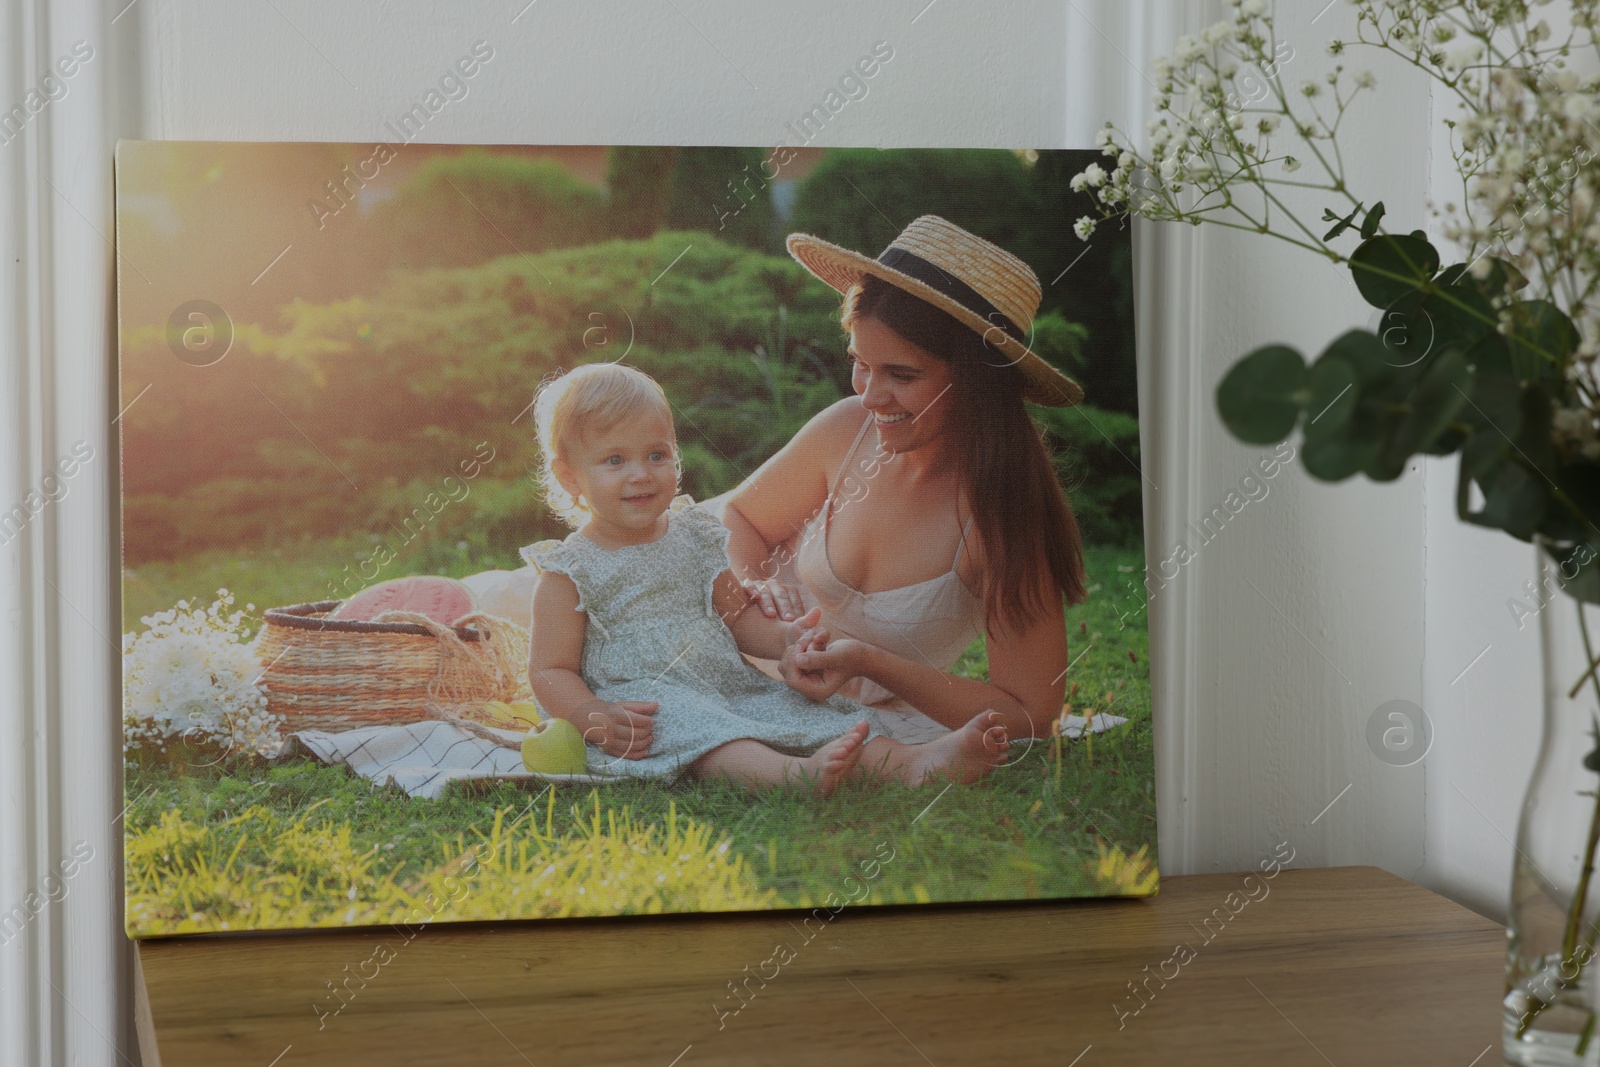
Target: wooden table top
1346,966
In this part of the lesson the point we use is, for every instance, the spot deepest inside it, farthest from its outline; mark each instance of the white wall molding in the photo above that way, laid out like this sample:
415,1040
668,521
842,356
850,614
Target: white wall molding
60,766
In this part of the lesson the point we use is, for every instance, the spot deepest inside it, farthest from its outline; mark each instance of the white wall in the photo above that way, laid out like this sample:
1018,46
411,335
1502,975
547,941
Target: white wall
1313,607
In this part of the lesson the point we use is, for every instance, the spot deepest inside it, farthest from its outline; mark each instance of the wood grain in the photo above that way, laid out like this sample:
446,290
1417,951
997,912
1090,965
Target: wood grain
1344,966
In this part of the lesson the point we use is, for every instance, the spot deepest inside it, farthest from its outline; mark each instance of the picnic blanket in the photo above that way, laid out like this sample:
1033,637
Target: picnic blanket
424,758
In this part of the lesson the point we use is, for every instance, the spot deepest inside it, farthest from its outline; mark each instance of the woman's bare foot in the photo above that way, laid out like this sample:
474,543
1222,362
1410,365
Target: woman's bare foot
963,755
829,765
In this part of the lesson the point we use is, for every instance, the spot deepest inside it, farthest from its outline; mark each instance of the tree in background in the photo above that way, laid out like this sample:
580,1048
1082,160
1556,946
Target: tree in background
724,191
467,208
863,197
639,178
1095,290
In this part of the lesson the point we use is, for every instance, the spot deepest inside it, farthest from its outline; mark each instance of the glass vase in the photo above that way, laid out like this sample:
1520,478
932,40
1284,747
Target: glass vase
1549,1009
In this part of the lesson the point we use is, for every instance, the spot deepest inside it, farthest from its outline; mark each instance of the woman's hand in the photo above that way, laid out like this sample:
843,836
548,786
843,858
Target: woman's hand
817,666
623,729
805,627
775,599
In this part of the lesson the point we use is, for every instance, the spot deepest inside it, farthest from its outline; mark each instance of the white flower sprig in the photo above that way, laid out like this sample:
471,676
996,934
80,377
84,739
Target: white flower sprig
1525,143
192,675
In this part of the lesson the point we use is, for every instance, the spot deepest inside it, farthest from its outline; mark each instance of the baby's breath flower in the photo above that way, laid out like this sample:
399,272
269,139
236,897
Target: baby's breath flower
193,675
1083,228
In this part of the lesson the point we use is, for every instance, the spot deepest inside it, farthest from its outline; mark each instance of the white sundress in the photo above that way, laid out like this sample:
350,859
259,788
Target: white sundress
652,633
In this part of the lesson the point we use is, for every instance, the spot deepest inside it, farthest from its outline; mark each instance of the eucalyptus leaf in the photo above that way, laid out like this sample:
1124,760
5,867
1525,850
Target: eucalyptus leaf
1541,337
1334,459
1579,484
1441,393
1502,278
1459,313
1388,266
1514,501
1332,382
1364,351
1385,466
1261,396
1447,443
1489,355
1495,415
1342,225
1577,566
1369,225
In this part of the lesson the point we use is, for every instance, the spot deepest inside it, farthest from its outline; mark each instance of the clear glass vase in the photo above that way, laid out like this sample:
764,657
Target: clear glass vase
1549,1011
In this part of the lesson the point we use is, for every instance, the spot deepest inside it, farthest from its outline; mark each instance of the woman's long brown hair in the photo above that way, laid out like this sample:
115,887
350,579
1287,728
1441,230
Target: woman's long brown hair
1023,520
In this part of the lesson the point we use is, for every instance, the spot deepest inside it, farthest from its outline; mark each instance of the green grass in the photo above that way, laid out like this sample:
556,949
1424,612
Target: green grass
1028,830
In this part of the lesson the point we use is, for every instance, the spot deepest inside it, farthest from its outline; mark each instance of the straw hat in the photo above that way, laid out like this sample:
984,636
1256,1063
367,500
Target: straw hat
975,281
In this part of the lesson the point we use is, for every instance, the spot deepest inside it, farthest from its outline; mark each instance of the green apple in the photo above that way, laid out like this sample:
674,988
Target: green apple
554,746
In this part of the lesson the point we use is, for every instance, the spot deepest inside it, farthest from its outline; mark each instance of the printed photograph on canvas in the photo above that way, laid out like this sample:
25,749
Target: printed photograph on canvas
525,532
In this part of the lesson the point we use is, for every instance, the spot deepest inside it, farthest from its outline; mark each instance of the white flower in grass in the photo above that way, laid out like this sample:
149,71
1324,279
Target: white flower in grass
193,676
1083,228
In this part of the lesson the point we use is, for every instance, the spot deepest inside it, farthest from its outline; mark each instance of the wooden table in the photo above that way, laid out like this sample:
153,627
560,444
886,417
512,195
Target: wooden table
1348,966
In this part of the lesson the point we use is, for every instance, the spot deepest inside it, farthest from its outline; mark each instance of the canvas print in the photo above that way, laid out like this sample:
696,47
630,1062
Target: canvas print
527,532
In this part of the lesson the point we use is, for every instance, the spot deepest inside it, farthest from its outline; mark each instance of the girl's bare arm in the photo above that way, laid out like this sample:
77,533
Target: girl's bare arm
555,656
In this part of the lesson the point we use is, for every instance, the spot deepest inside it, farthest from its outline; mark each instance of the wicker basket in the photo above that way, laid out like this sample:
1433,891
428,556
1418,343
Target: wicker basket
402,667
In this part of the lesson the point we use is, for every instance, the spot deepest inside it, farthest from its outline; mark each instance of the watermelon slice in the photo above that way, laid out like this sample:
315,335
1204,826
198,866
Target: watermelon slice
444,600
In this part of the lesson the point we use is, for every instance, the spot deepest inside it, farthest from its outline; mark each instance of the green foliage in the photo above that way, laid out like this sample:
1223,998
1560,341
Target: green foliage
724,191
638,178
1462,365
401,415
1097,459
862,198
456,207
1088,283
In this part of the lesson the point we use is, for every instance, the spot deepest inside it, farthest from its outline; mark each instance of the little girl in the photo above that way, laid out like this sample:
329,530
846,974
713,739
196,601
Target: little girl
638,622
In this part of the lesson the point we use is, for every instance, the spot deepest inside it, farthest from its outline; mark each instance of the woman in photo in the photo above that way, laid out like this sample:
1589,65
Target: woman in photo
924,511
